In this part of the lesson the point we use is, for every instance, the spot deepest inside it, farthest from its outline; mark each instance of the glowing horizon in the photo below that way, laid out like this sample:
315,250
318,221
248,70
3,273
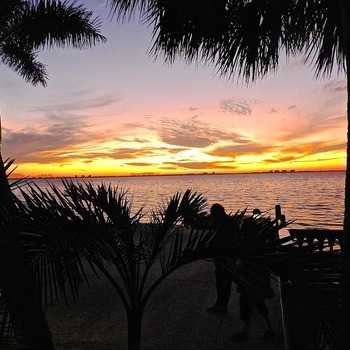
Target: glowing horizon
97,168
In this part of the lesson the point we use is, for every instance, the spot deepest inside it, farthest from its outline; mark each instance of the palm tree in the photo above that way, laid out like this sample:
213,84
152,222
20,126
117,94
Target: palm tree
96,224
27,26
36,266
131,250
86,225
244,38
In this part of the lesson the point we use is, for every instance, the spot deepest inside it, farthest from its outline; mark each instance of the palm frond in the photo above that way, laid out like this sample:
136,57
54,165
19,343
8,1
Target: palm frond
28,26
58,23
126,9
7,198
24,62
242,38
181,209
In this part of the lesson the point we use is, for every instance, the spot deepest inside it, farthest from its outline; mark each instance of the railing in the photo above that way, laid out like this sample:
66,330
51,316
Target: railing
296,334
318,236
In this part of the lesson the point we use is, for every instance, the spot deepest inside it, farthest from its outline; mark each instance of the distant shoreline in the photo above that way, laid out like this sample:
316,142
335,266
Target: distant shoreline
182,174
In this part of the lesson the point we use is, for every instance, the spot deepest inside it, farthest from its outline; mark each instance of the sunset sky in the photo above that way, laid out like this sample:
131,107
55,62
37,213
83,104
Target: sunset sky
113,110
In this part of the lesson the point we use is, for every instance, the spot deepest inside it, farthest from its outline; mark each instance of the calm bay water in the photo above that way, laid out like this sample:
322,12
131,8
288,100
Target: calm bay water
312,199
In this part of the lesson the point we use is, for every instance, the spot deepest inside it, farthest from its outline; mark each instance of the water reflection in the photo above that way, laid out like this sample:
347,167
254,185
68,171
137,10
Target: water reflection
311,199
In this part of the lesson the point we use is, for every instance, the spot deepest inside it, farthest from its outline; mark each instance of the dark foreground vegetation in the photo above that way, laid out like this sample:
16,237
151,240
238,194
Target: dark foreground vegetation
51,238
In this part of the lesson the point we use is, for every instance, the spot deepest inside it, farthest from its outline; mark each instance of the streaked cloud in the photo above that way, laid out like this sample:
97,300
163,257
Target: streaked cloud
298,152
144,152
78,101
202,165
335,86
314,147
238,106
312,125
56,136
139,164
277,153
246,148
192,132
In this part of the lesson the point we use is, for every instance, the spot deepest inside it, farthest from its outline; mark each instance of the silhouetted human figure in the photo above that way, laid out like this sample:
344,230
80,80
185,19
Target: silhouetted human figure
224,224
254,289
253,281
253,284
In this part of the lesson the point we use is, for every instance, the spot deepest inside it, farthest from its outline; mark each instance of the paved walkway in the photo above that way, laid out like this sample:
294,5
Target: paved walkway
175,318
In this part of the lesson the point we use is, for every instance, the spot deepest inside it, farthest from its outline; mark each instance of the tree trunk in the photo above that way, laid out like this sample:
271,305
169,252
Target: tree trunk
345,13
31,328
343,339
6,199
134,327
344,302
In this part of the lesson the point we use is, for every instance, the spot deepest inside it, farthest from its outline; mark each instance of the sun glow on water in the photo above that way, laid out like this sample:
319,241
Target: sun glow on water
322,209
